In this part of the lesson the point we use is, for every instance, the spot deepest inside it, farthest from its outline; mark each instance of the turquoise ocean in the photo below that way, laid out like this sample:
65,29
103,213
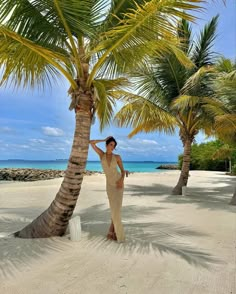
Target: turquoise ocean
131,166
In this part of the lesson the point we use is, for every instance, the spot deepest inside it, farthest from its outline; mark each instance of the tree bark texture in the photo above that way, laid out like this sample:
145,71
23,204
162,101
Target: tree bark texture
54,220
183,179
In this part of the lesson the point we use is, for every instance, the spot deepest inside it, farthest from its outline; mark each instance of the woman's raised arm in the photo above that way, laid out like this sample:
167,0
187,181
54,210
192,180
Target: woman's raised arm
95,148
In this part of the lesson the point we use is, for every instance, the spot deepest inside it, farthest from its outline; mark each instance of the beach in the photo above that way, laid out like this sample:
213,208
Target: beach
175,244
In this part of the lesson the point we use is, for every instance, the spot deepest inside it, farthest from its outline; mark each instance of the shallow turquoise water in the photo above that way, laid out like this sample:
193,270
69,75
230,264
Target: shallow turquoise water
132,166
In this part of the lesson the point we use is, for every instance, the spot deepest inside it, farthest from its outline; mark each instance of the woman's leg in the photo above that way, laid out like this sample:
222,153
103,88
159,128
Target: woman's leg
111,233
115,205
111,229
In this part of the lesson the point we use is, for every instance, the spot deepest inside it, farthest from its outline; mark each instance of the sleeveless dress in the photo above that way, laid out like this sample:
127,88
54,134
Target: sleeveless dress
115,195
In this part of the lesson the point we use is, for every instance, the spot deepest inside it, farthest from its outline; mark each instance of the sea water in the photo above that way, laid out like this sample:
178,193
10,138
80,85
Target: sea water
131,166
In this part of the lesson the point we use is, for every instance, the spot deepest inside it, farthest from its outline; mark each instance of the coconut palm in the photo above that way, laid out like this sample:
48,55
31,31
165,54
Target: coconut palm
90,43
171,96
225,88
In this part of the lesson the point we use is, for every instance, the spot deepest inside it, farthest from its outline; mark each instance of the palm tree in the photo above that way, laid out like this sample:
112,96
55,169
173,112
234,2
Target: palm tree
91,43
225,152
172,96
225,88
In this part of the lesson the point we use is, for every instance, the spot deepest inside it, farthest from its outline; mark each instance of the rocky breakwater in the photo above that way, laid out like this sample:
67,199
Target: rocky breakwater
32,174
168,166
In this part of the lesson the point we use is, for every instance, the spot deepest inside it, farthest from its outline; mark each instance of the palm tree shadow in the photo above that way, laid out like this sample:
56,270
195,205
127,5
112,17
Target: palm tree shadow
211,197
144,238
16,252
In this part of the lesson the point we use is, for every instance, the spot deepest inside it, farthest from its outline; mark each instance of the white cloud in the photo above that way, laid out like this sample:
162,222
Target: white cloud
55,132
140,146
143,141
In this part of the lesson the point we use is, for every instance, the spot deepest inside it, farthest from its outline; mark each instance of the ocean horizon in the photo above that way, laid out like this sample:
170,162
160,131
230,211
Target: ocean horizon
61,164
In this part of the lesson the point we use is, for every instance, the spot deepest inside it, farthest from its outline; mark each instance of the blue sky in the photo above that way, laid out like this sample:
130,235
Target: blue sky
38,125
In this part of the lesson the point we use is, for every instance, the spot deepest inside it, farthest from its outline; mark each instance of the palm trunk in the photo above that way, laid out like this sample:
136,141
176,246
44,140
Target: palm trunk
54,220
233,200
230,166
183,179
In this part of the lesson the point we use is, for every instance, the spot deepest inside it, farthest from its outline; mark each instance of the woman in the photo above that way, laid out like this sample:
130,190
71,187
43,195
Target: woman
114,185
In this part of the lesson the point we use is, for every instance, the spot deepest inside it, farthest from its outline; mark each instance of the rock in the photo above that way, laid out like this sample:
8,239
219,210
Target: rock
168,166
33,174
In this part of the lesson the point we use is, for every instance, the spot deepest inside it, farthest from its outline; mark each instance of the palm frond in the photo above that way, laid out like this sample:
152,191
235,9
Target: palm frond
27,63
118,9
142,115
225,65
184,34
84,16
202,54
33,21
225,128
50,23
146,84
106,92
226,123
154,20
184,102
74,51
196,82
225,83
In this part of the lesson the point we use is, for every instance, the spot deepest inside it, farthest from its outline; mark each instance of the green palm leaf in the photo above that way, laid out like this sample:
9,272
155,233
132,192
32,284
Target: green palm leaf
143,116
202,54
146,23
18,55
106,92
33,21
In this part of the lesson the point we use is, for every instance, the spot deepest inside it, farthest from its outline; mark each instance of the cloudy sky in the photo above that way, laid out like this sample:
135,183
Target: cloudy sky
38,125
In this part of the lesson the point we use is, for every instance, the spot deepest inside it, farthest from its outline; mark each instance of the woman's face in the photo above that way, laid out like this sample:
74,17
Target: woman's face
111,146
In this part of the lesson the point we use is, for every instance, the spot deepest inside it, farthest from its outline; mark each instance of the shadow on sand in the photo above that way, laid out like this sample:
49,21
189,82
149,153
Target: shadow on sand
16,253
212,198
142,237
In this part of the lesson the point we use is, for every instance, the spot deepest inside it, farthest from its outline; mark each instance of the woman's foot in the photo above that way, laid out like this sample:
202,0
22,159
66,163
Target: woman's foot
111,236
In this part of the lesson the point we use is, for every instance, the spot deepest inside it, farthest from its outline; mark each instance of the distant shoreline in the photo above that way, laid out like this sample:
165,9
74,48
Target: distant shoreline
56,160
132,166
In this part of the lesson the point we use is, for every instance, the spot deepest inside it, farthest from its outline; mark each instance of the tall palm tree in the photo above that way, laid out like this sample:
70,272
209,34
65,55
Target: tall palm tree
91,43
225,88
172,96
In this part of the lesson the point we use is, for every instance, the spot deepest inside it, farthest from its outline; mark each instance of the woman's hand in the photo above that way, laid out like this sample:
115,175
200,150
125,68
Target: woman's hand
120,183
92,141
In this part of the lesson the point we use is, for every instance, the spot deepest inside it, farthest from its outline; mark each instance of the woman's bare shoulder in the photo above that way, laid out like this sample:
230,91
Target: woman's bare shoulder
117,156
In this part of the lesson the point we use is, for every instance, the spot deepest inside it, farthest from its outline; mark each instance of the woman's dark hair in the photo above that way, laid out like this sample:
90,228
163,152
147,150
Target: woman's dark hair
111,140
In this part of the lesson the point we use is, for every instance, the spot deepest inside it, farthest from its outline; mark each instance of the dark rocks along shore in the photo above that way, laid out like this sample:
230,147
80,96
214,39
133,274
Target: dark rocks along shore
168,166
32,174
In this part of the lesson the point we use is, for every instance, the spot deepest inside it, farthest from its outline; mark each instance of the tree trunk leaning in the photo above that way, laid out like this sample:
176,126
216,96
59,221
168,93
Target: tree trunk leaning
54,220
183,179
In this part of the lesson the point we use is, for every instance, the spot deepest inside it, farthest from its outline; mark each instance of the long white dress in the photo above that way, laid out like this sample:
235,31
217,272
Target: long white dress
114,194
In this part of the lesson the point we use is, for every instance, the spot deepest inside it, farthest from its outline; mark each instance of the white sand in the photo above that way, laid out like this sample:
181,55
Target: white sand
174,245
